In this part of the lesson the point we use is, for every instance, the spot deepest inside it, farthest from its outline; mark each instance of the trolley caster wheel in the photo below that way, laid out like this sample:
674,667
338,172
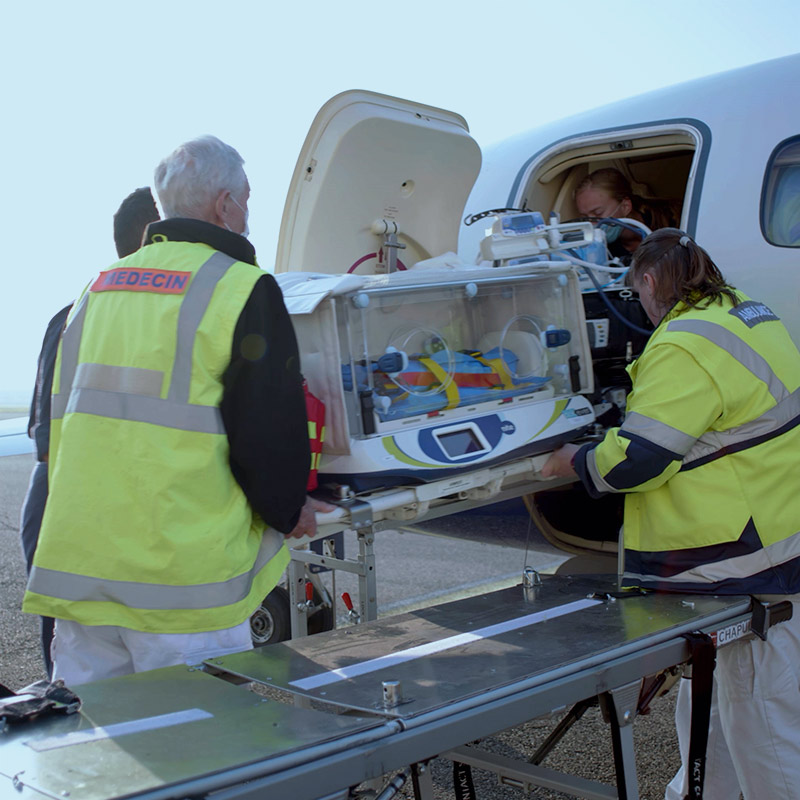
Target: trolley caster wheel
270,622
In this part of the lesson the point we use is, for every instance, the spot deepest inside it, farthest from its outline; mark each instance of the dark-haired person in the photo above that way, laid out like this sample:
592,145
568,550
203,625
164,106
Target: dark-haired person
133,216
709,459
606,193
131,219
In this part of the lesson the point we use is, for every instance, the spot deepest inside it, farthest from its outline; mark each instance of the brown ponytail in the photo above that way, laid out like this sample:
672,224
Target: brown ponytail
682,270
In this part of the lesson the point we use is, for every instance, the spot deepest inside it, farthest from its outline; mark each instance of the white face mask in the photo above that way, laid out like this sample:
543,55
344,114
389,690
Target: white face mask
246,231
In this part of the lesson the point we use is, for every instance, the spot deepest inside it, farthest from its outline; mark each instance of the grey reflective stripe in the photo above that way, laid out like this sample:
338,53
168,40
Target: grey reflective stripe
740,567
737,348
140,408
134,394
193,307
774,419
597,478
106,377
658,433
58,405
151,596
70,347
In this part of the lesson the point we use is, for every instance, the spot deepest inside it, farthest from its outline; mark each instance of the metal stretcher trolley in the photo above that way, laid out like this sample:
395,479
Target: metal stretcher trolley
372,700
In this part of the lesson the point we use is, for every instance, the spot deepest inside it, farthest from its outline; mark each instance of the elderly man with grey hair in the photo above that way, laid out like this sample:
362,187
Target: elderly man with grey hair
179,442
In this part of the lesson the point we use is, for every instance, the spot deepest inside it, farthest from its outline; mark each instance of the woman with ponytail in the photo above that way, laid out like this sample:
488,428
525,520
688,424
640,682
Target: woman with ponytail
708,458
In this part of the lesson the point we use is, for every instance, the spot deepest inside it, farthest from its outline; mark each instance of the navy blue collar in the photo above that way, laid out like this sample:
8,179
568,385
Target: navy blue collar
183,229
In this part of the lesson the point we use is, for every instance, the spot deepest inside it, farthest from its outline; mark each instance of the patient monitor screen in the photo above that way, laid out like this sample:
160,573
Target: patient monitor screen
460,443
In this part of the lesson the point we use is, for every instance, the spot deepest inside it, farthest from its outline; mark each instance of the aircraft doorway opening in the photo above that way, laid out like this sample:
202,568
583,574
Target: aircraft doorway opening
663,163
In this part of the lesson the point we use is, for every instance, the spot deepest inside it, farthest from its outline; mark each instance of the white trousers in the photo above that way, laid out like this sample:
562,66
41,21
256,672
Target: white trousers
720,782
83,653
757,709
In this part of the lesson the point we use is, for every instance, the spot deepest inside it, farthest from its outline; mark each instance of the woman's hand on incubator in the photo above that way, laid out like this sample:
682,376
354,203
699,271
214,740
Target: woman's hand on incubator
559,465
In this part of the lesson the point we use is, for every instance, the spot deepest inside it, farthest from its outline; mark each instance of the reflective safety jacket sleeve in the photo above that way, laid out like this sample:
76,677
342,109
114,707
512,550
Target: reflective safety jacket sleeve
709,453
146,527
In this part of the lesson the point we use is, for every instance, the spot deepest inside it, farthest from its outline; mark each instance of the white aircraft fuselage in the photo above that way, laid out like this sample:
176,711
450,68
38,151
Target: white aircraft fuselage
727,130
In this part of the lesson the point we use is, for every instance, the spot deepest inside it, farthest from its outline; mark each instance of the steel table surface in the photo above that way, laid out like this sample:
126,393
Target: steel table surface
550,650
113,747
447,654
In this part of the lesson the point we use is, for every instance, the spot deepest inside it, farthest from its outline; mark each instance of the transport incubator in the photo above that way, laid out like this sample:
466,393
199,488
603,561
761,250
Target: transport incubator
428,367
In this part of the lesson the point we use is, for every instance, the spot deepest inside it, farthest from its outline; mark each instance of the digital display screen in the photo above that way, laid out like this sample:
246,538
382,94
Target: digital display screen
521,223
460,443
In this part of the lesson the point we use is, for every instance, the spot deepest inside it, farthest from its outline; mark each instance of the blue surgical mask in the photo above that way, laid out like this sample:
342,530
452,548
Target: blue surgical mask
612,232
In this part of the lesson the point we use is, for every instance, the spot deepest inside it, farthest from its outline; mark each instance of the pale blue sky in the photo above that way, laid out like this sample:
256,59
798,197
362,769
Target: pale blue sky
96,93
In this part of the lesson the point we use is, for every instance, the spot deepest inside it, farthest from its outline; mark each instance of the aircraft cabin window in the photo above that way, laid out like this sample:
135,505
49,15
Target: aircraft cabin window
780,197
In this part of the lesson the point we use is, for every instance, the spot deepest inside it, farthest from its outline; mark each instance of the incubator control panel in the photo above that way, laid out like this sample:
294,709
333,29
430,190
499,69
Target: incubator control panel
461,441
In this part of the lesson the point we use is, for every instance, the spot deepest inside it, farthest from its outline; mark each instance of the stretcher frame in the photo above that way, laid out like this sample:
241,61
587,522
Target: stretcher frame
372,512
401,737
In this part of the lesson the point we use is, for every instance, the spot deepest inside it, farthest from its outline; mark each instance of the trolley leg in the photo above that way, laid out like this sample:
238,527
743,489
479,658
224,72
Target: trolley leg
367,582
621,707
296,572
558,733
423,782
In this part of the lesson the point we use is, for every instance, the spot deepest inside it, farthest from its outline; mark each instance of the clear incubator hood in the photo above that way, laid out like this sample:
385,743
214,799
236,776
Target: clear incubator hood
428,367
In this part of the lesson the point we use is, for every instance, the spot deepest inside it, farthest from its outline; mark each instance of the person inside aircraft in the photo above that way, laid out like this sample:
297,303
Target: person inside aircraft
133,216
607,194
709,425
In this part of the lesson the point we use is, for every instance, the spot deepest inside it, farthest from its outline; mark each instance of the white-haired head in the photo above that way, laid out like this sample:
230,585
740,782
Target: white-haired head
190,180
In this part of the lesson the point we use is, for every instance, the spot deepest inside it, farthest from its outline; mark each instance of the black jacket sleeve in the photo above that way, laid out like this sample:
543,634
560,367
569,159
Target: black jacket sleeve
263,408
579,463
39,422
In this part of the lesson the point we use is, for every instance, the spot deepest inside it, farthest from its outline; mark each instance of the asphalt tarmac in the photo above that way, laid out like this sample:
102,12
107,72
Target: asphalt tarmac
413,570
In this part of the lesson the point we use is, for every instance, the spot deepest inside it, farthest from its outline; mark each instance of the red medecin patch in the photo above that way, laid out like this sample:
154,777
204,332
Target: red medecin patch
141,279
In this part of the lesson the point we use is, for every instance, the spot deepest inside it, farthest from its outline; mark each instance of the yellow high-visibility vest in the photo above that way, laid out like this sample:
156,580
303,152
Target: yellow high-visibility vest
145,525
710,454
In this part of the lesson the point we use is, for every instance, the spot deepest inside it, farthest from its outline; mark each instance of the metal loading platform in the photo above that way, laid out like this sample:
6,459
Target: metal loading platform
372,700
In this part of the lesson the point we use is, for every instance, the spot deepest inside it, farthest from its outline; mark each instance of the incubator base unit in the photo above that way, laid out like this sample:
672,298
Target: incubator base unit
430,372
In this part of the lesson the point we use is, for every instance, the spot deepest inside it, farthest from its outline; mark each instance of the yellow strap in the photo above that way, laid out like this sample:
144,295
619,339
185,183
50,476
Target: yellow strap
450,390
499,366
312,430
